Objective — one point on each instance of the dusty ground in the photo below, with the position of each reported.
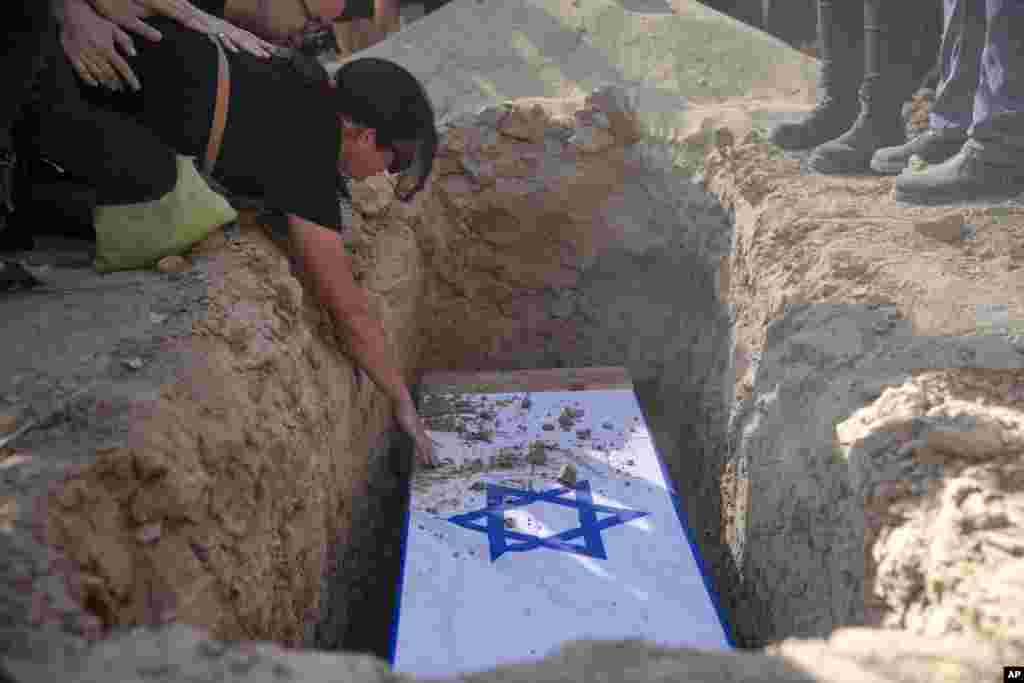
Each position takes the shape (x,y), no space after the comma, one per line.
(944,490)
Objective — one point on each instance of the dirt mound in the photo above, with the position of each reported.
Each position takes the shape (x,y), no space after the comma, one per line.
(944,498)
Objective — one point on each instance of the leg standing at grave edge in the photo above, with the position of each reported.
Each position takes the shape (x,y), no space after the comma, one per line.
(976,138)
(25,25)
(845,53)
(890,75)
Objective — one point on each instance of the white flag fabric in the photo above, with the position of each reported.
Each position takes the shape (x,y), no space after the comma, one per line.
(503,562)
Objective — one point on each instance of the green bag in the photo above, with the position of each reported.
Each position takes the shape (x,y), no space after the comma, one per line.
(132,236)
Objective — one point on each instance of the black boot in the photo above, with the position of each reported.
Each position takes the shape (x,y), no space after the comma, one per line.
(989,166)
(840,29)
(888,78)
(933,146)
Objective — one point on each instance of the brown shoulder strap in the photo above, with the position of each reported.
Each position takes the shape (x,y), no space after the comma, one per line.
(220,110)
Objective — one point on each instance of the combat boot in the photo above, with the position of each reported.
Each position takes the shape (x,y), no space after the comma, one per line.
(933,146)
(989,166)
(841,51)
(887,79)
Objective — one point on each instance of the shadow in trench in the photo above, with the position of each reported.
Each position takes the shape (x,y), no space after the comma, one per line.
(360,596)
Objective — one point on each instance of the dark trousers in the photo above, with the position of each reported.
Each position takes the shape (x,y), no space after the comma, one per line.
(26,24)
(122,161)
(982,64)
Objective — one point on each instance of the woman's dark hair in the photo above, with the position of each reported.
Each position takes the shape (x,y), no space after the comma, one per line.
(380,94)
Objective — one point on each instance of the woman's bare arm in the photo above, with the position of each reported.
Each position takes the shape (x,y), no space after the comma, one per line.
(324,259)
(322,256)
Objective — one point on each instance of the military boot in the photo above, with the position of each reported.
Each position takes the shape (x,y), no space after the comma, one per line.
(888,78)
(933,146)
(989,166)
(840,29)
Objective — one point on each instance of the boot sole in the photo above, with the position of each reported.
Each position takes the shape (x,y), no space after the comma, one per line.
(891,168)
(887,169)
(818,165)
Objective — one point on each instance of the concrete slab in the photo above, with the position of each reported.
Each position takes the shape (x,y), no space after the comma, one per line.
(500,535)
(471,53)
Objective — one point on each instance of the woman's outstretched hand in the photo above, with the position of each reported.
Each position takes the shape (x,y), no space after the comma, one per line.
(91,44)
(235,38)
(129,14)
(409,418)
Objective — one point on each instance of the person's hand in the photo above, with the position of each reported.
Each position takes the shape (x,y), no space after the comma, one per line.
(235,38)
(128,14)
(91,44)
(413,426)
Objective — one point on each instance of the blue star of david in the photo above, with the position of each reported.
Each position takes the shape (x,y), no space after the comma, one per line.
(501,498)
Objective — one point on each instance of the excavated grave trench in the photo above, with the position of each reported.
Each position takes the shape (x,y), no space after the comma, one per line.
(649,301)
(544,243)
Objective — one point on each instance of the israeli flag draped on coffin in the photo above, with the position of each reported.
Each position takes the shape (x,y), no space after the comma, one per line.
(550,520)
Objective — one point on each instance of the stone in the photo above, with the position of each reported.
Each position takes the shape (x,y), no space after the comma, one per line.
(172,265)
(567,475)
(150,533)
(492,116)
(947,228)
(150,464)
(481,171)
(527,125)
(591,140)
(8,423)
(133,363)
(611,98)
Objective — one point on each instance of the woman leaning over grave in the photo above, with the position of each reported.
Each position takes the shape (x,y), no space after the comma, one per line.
(279,129)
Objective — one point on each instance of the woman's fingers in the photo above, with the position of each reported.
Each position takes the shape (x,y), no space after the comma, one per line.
(137,25)
(83,72)
(261,49)
(100,67)
(124,41)
(96,69)
(124,71)
(225,39)
(252,44)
